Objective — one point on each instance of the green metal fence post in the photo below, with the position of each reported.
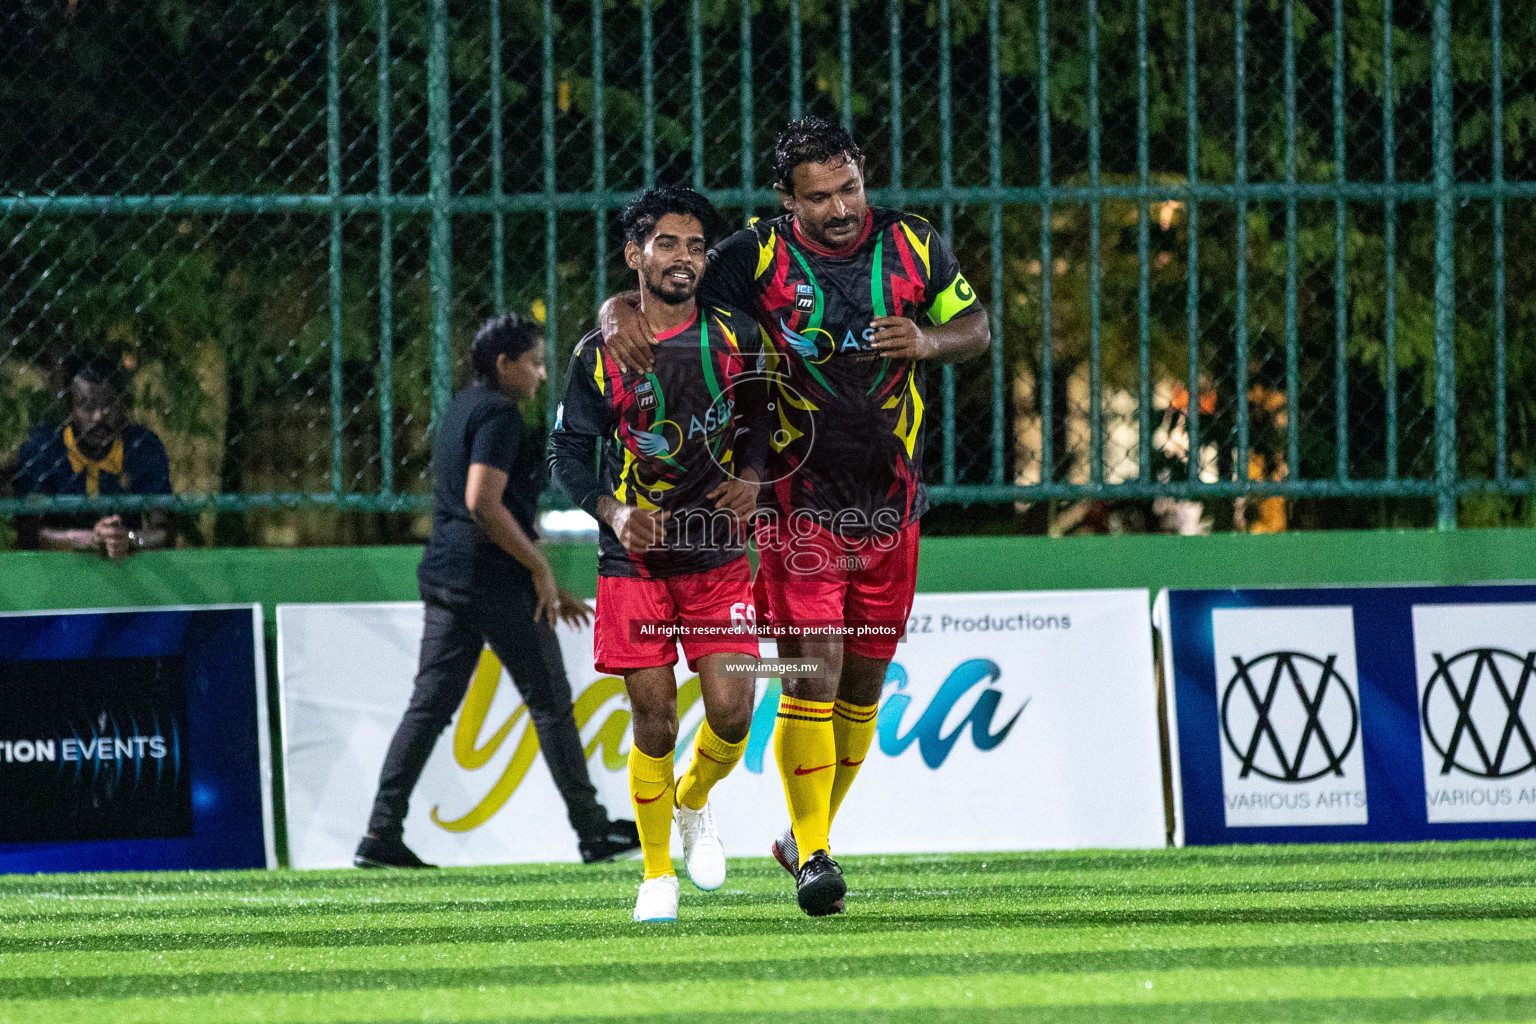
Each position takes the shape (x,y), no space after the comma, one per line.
(696,89)
(1095,270)
(796,71)
(1192,231)
(893,18)
(747,155)
(440,249)
(1143,240)
(551,214)
(498,172)
(995,179)
(1445,267)
(1389,239)
(333,184)
(1340,300)
(845,54)
(1047,267)
(947,221)
(1240,167)
(1292,341)
(1500,354)
(648,92)
(386,263)
(599,164)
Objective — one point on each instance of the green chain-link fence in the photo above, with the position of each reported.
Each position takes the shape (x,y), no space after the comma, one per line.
(1250,248)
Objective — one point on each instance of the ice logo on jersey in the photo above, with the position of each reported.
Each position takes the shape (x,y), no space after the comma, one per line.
(645,395)
(805,298)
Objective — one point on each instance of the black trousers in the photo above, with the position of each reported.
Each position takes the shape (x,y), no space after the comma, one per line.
(457,629)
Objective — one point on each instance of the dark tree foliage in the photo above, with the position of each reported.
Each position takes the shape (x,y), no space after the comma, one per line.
(224,310)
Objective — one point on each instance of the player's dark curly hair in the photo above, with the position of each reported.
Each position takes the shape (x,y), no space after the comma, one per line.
(810,140)
(507,335)
(640,216)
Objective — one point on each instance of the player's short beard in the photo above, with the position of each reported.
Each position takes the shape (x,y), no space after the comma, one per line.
(670,296)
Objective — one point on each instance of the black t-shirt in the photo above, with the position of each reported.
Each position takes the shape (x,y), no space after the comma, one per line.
(480,426)
(848,432)
(672,436)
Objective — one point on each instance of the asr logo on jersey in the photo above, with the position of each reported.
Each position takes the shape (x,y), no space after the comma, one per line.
(717,418)
(816,344)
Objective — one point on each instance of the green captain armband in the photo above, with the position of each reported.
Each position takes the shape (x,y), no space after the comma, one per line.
(952,301)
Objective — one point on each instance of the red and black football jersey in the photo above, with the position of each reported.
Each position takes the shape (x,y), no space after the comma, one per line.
(669,437)
(847,429)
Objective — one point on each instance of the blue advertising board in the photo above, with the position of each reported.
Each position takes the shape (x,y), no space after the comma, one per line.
(1352,714)
(134,740)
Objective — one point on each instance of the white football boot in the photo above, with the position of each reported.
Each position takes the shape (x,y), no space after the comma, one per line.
(657,900)
(702,851)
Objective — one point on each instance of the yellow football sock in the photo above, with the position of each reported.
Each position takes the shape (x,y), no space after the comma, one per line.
(650,790)
(853,727)
(807,756)
(713,759)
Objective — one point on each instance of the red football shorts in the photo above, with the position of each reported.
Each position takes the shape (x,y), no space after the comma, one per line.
(810,577)
(638,618)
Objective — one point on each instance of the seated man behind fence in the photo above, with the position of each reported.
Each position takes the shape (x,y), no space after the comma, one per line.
(97,452)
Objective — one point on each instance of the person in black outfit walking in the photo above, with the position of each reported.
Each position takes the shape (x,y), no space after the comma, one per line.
(485,580)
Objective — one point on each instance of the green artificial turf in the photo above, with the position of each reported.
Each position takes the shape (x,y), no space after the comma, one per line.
(1253,934)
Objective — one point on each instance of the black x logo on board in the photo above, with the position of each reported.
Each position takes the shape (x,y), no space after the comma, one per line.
(1489,665)
(1312,680)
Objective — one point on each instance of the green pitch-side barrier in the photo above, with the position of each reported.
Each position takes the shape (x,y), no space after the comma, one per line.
(33,581)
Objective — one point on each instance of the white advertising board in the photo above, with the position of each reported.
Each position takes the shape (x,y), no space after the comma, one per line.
(1008,721)
(1475,664)
(1289,716)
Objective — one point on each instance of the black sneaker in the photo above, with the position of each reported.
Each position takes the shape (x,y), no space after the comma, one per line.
(386,853)
(620,837)
(819,887)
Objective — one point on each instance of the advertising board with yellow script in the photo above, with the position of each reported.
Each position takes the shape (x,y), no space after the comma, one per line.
(1008,721)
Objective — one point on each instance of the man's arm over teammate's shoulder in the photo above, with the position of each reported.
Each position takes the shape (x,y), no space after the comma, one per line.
(625,335)
(744,335)
(749,389)
(732,268)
